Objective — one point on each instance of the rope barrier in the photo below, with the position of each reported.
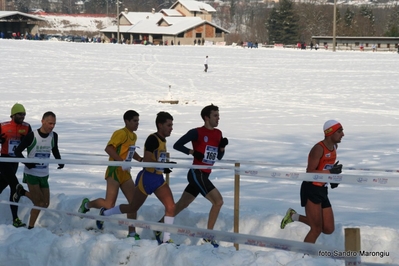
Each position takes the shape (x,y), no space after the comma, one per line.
(387,181)
(224,161)
(259,241)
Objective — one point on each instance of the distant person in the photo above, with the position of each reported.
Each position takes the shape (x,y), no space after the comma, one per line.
(40,144)
(206,64)
(311,46)
(11,134)
(150,179)
(208,144)
(373,47)
(316,46)
(195,41)
(1,35)
(314,195)
(121,147)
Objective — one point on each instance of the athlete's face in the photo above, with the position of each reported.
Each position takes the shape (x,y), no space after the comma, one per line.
(166,128)
(132,124)
(19,118)
(214,119)
(48,124)
(337,136)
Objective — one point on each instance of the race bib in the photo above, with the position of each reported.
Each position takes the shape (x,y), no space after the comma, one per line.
(42,156)
(210,155)
(161,159)
(130,153)
(12,145)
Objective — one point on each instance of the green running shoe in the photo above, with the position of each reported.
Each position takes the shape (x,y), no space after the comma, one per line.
(82,208)
(136,236)
(287,218)
(18,223)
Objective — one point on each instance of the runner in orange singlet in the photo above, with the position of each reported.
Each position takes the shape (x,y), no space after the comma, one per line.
(314,195)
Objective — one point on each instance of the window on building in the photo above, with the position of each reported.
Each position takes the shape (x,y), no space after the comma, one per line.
(198,35)
(378,45)
(387,45)
(180,35)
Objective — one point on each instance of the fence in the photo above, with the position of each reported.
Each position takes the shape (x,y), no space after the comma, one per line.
(235,237)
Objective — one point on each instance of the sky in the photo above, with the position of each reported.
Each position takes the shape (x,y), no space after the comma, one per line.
(273,104)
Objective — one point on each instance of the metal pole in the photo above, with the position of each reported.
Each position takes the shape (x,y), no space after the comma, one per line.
(334,24)
(117,12)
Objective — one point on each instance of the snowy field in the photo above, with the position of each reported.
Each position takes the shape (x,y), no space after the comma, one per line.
(273,104)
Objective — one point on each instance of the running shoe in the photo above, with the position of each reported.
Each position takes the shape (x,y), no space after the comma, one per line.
(158,235)
(82,208)
(287,218)
(136,236)
(212,242)
(18,223)
(170,241)
(100,224)
(18,194)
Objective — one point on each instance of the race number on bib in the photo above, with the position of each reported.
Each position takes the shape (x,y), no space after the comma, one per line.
(210,155)
(12,145)
(130,153)
(42,156)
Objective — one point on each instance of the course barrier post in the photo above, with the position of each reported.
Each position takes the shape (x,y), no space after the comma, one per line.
(352,244)
(236,203)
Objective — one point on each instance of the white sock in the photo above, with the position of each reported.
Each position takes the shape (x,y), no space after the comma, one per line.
(295,217)
(167,220)
(132,234)
(112,211)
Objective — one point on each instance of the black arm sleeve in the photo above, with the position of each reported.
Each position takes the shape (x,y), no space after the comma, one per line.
(24,144)
(191,135)
(55,150)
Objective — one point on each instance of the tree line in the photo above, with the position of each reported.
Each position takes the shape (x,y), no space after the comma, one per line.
(284,22)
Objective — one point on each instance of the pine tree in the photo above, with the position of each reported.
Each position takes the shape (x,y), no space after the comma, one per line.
(283,24)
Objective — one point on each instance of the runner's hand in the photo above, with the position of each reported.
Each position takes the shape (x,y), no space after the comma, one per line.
(223,143)
(198,155)
(336,169)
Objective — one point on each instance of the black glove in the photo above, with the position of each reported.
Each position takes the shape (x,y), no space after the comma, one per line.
(223,143)
(336,169)
(60,166)
(30,165)
(2,138)
(198,155)
(167,171)
(334,185)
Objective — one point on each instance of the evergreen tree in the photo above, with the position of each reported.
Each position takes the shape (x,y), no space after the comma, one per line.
(283,24)
(274,27)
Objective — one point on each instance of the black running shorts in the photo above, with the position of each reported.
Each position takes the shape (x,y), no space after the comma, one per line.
(316,194)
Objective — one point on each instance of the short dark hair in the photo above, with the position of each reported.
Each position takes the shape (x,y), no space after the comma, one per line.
(162,117)
(206,111)
(47,114)
(129,115)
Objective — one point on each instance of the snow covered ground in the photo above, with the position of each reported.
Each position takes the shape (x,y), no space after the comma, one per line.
(273,104)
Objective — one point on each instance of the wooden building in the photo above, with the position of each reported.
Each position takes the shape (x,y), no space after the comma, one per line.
(185,22)
(14,22)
